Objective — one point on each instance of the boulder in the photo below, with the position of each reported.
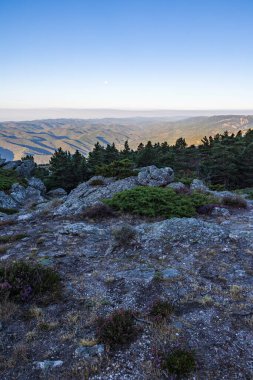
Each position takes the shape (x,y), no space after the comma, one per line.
(36,183)
(220,211)
(88,351)
(57,193)
(26,168)
(86,195)
(153,176)
(23,195)
(6,201)
(178,187)
(198,185)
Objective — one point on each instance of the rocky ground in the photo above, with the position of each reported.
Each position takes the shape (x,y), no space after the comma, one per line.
(202,265)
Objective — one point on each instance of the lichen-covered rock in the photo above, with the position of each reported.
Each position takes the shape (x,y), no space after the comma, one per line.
(57,193)
(23,195)
(11,165)
(153,176)
(36,183)
(198,185)
(6,201)
(181,229)
(220,211)
(86,195)
(89,351)
(26,168)
(178,186)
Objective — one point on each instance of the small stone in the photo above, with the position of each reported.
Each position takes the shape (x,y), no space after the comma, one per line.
(47,364)
(87,351)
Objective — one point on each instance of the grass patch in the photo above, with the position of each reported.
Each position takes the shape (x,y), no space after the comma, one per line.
(8,178)
(156,201)
(180,363)
(98,211)
(20,281)
(11,238)
(117,329)
(161,309)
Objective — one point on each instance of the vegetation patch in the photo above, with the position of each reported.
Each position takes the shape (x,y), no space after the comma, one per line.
(155,201)
(235,201)
(97,182)
(124,235)
(98,211)
(161,309)
(180,363)
(117,329)
(8,211)
(8,178)
(11,238)
(20,281)
(119,169)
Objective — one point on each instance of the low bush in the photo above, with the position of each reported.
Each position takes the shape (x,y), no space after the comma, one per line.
(161,309)
(20,281)
(156,201)
(8,211)
(119,169)
(124,235)
(234,201)
(180,363)
(11,238)
(8,178)
(117,329)
(98,211)
(97,182)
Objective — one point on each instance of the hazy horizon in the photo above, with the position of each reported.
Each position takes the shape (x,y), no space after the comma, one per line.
(29,114)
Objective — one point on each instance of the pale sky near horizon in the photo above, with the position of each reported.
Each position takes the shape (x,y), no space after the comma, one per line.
(159,54)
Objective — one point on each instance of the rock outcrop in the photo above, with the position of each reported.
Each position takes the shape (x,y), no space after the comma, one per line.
(153,176)
(24,168)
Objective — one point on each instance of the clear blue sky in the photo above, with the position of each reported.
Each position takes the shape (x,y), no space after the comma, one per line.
(170,54)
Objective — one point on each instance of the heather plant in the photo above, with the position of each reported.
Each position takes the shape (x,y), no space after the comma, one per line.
(124,235)
(235,201)
(98,211)
(161,309)
(117,329)
(20,281)
(180,363)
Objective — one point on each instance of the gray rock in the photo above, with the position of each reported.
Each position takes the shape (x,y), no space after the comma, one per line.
(220,211)
(89,351)
(170,273)
(23,195)
(86,195)
(36,183)
(26,168)
(57,193)
(198,185)
(152,176)
(190,230)
(47,364)
(6,201)
(105,180)
(11,165)
(178,186)
(143,275)
(80,229)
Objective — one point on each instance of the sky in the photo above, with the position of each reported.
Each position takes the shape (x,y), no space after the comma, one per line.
(126,54)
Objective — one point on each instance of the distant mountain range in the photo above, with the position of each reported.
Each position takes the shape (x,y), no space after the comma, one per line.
(41,137)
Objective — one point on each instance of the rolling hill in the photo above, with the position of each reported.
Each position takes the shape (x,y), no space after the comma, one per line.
(41,137)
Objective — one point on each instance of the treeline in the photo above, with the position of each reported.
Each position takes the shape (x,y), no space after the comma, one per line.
(224,161)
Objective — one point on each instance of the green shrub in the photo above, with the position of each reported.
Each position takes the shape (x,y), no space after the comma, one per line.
(155,201)
(21,281)
(117,329)
(161,309)
(119,169)
(180,363)
(234,201)
(8,211)
(8,178)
